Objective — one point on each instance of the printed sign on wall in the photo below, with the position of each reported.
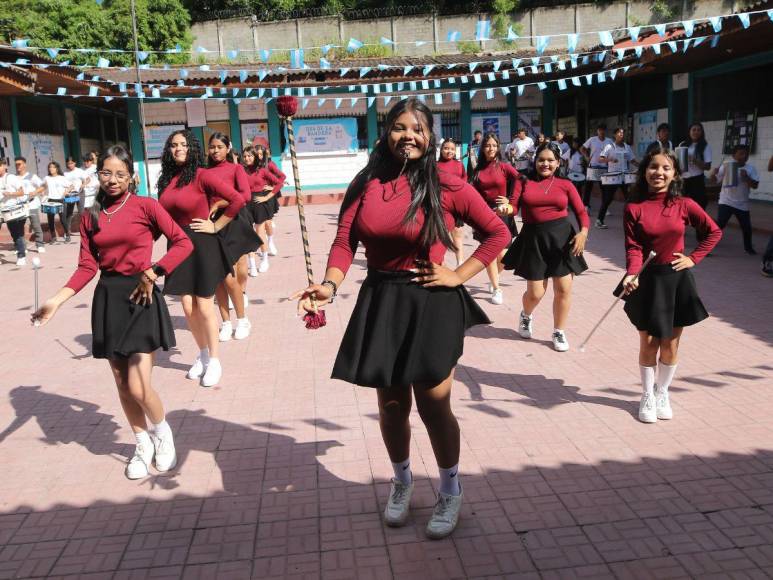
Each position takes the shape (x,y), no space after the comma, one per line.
(155,138)
(40,149)
(255,133)
(326,135)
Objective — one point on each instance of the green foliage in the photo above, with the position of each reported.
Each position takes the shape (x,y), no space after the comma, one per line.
(468,47)
(662,10)
(161,25)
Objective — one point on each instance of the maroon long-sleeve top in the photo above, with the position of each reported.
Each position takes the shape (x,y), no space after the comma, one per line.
(548,199)
(376,217)
(491,181)
(192,201)
(453,167)
(659,226)
(274,169)
(125,243)
(234,175)
(259,178)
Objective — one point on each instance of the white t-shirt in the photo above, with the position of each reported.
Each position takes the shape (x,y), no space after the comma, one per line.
(692,169)
(520,148)
(575,163)
(566,151)
(75,177)
(738,196)
(10,183)
(56,186)
(596,146)
(618,157)
(31,182)
(90,180)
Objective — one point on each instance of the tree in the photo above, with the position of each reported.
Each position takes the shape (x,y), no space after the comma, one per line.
(70,24)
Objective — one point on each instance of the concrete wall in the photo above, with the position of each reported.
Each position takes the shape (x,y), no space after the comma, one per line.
(237,33)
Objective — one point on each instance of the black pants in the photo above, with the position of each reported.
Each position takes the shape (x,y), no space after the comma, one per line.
(695,189)
(608,196)
(768,256)
(16,227)
(65,218)
(725,212)
(587,192)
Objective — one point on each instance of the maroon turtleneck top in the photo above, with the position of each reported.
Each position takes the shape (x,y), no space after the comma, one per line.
(124,244)
(548,199)
(659,226)
(453,167)
(375,219)
(193,200)
(234,175)
(272,167)
(258,179)
(491,181)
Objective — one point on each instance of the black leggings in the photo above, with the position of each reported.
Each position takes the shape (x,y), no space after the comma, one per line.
(608,196)
(695,189)
(587,192)
(65,219)
(725,212)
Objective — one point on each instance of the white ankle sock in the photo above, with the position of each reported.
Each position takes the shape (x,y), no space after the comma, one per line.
(449,480)
(143,438)
(251,260)
(162,429)
(647,379)
(403,471)
(270,238)
(665,376)
(204,355)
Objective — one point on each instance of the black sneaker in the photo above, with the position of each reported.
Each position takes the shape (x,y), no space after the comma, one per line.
(750,251)
(67,239)
(767,269)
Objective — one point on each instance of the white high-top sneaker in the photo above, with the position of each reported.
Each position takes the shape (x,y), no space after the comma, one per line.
(398,504)
(445,516)
(138,465)
(226,331)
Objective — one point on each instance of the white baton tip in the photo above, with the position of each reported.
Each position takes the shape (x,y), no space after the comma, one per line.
(36,262)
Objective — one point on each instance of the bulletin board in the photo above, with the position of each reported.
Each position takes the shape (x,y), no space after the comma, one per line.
(740,128)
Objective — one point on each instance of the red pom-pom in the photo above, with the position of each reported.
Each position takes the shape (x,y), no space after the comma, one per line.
(315,320)
(287,106)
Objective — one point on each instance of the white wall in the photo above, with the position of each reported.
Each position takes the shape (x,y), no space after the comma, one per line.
(715,131)
(40,149)
(321,170)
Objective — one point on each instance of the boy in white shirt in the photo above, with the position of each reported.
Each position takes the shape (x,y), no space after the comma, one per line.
(33,187)
(11,192)
(734,200)
(592,149)
(618,156)
(521,147)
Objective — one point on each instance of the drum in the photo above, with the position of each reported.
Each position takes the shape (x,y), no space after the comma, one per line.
(629,177)
(594,173)
(14,211)
(612,178)
(682,158)
(522,164)
(71,198)
(576,176)
(52,207)
(730,173)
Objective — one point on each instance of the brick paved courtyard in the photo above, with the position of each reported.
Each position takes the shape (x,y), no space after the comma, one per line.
(282,472)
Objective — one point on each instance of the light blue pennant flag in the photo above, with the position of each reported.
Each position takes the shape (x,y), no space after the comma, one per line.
(490,94)
(438,98)
(453,35)
(505,90)
(620,53)
(612,74)
(425,84)
(223,75)
(516,63)
(589,79)
(464,79)
(535,60)
(633,31)
(534,70)
(520,90)
(122,87)
(265,55)
(492,77)
(180,83)
(476,78)
(497,64)
(561,85)
(353,45)
(248,91)
(234,92)
(455,97)
(421,42)
(548,67)
(605,36)
(672,45)
(342,72)
(183,73)
(661,30)
(242,75)
(428,69)
(296,58)
(542,85)
(80,76)
(262,74)
(482,29)
(714,41)
(686,46)
(20,43)
(436,83)
(232,54)
(473,93)
(52,52)
(103,63)
(473,65)
(698,41)
(573,60)
(656,48)
(407,70)
(338,103)
(364,71)
(511,35)
(376,89)
(601,77)
(275,93)
(601,56)
(387,99)
(386,41)
(576,81)
(505,74)
(326,48)
(744,18)
(61,91)
(324,63)
(689,27)
(201,49)
(716,23)
(638,50)
(571,42)
(155,93)
(353,102)
(521,72)
(304,103)
(542,43)
(770,14)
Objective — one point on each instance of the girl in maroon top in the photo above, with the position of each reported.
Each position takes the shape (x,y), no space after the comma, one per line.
(265,186)
(188,193)
(448,163)
(548,246)
(129,318)
(239,238)
(263,160)
(495,180)
(664,299)
(407,328)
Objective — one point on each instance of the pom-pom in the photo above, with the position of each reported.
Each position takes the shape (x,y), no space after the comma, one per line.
(315,320)
(287,106)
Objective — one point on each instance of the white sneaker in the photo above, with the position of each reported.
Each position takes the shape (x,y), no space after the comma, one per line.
(213,374)
(243,327)
(490,288)
(166,456)
(398,504)
(525,325)
(601,225)
(272,248)
(41,249)
(445,516)
(559,341)
(497,297)
(21,261)
(226,330)
(138,465)
(647,412)
(264,265)
(197,369)
(246,300)
(253,273)
(663,406)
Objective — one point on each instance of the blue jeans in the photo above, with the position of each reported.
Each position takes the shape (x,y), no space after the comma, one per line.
(16,227)
(725,212)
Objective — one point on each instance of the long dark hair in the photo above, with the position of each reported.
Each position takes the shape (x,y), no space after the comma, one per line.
(641,189)
(251,150)
(532,174)
(260,163)
(226,140)
(443,144)
(700,144)
(55,164)
(482,160)
(422,176)
(120,153)
(169,168)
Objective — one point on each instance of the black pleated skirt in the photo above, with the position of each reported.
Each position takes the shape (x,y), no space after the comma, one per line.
(203,270)
(120,328)
(260,211)
(239,237)
(665,300)
(273,205)
(543,251)
(401,333)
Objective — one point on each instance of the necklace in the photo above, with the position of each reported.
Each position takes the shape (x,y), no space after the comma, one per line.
(110,214)
(552,179)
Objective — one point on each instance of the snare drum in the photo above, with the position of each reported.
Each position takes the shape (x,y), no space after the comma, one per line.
(52,207)
(576,176)
(612,178)
(522,164)
(15,211)
(594,173)
(630,177)
(72,198)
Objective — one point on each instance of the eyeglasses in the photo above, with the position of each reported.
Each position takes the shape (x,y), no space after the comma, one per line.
(120,175)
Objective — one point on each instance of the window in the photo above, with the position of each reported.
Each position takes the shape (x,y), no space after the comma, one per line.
(34,118)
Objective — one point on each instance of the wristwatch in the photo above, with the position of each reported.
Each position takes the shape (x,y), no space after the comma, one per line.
(333,286)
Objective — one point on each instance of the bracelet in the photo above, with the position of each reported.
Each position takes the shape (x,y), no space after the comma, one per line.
(333,286)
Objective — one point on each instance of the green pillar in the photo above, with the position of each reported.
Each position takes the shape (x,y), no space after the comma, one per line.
(65,132)
(135,144)
(15,139)
(670,101)
(274,132)
(465,120)
(372,122)
(512,109)
(548,111)
(236,128)
(198,132)
(690,99)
